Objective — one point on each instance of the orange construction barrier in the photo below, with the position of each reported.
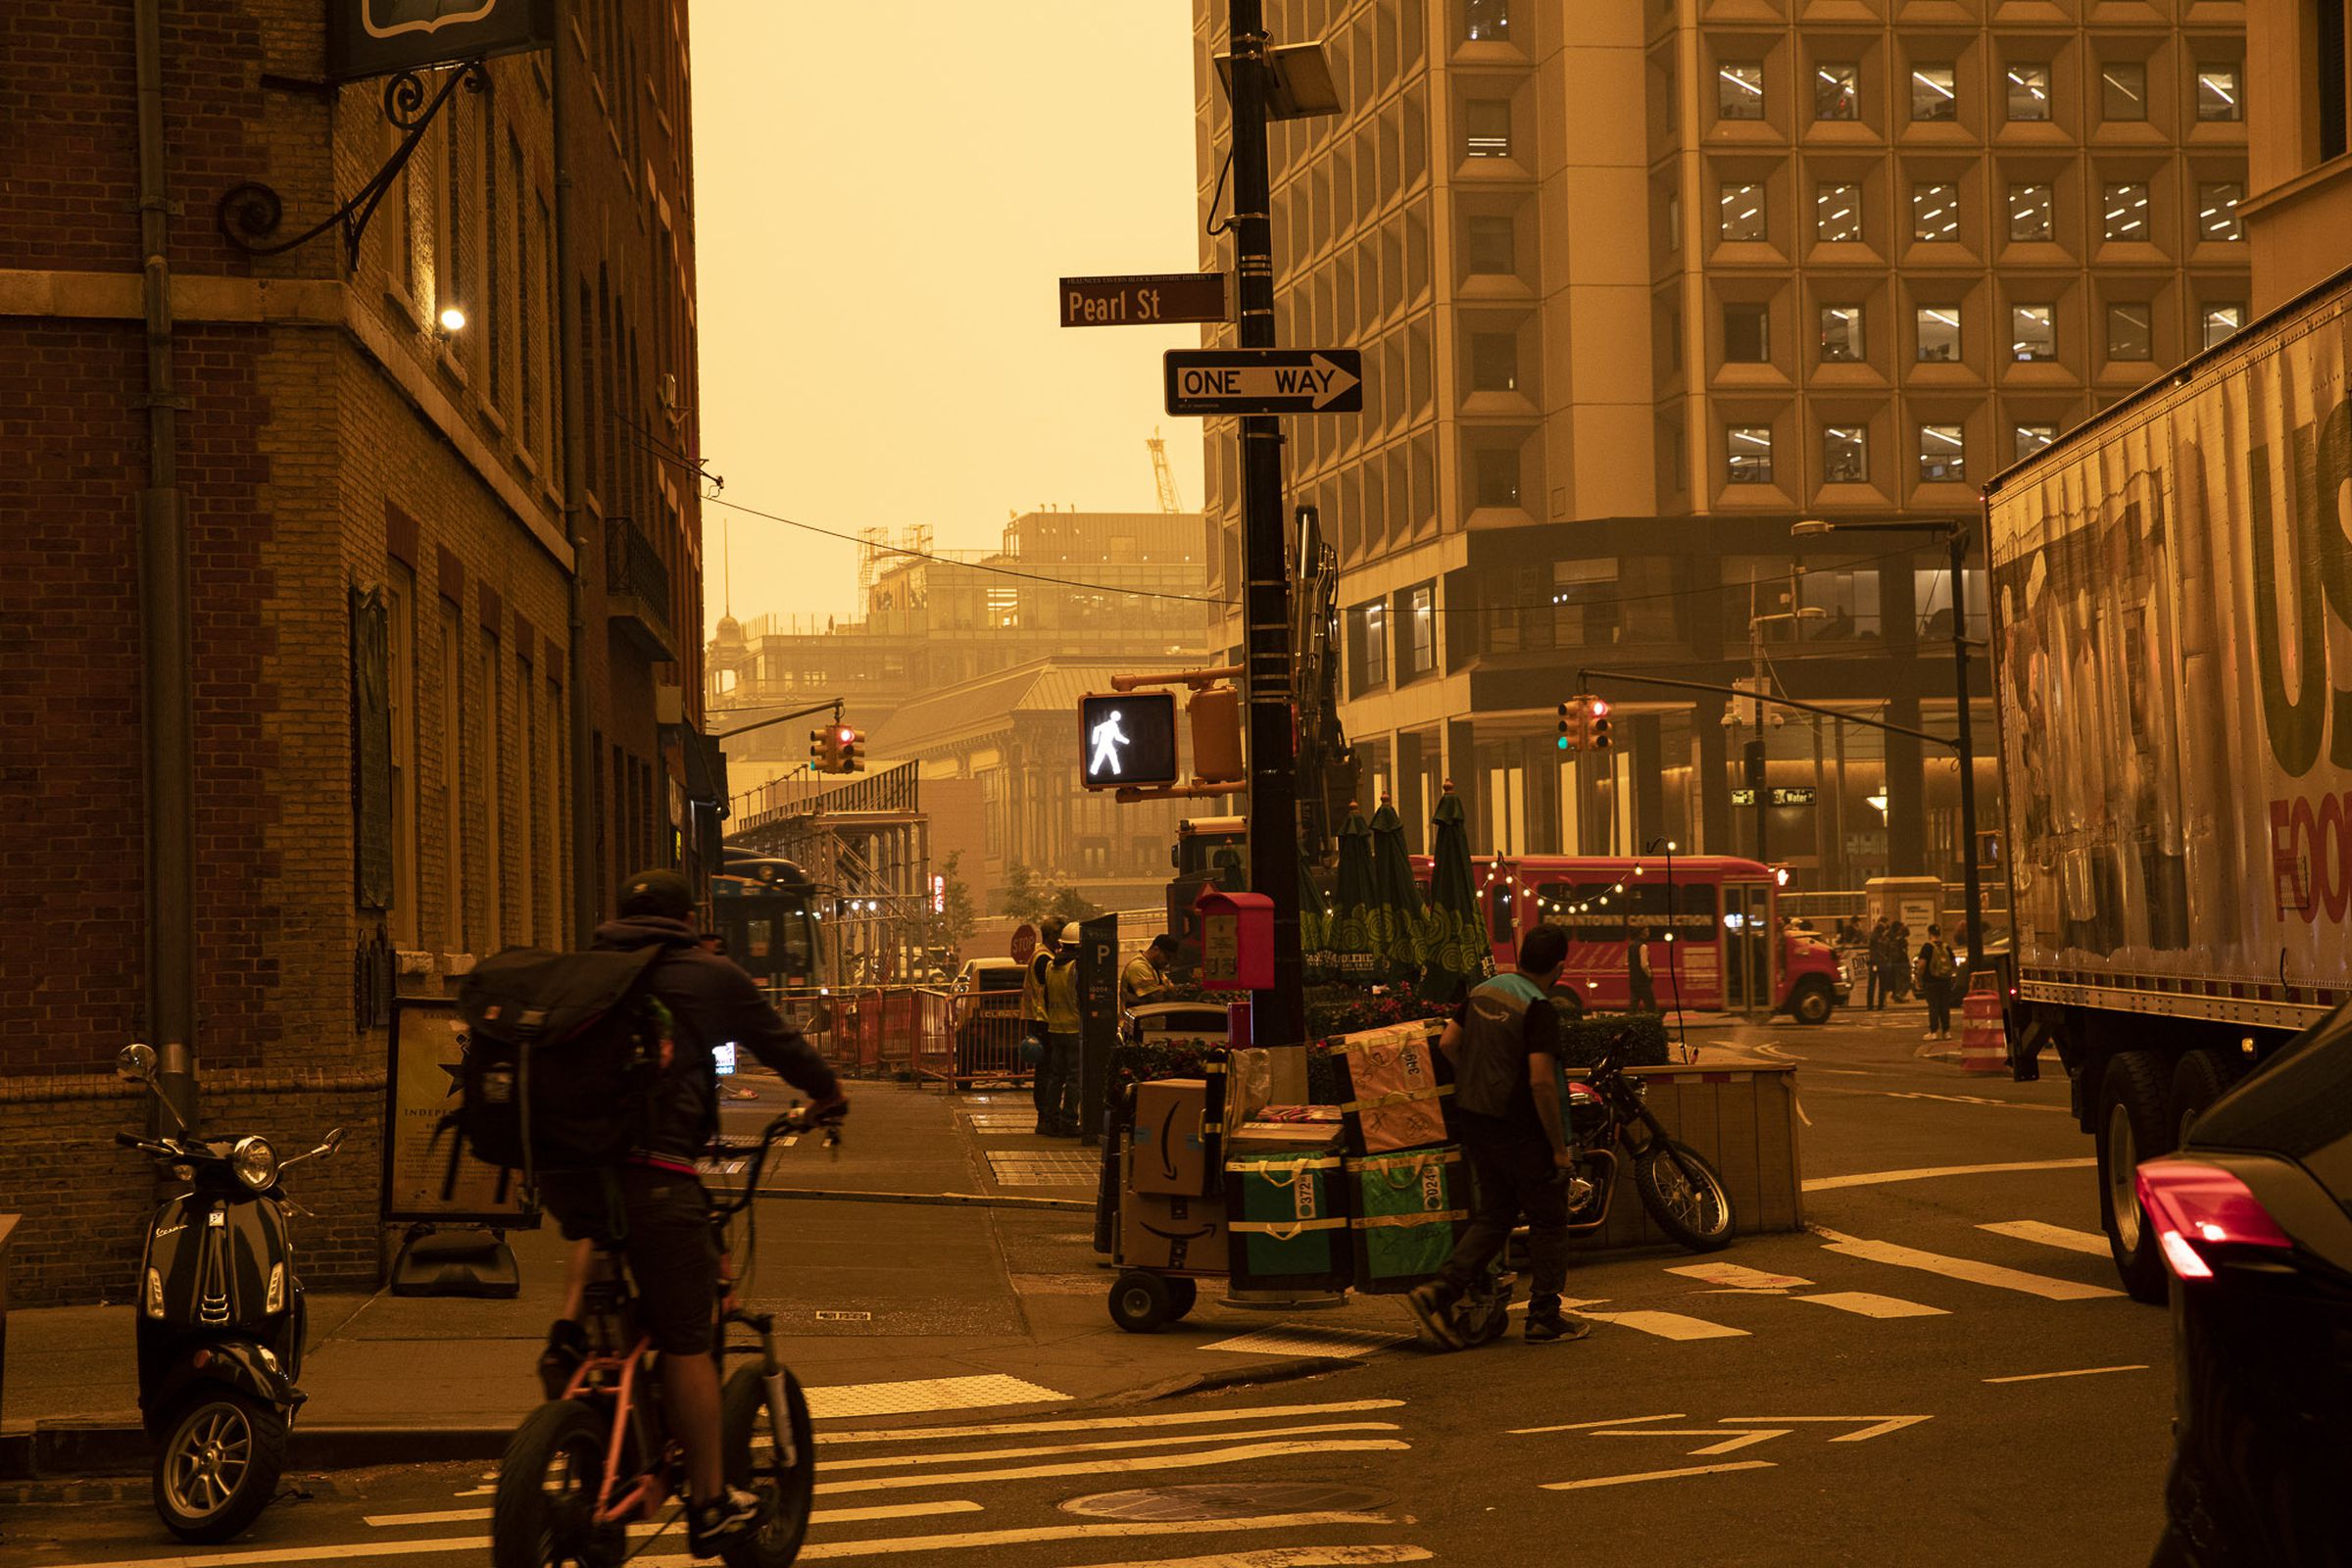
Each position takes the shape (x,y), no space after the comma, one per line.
(1984,1039)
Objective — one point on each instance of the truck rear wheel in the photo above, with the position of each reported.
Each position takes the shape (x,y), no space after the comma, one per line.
(2201,1078)
(2132,1127)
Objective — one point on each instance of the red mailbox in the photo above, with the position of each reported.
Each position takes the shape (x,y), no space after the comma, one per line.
(1237,941)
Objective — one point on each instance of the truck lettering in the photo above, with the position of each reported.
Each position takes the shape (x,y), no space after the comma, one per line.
(2311,857)
(2319,569)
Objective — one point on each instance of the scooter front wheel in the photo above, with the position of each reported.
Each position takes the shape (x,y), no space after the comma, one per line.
(218,1465)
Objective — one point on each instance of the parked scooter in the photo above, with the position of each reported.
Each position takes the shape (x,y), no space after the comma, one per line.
(221,1321)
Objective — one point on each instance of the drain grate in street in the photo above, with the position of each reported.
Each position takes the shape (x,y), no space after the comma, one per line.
(1047,1168)
(1310,1338)
(1225,1500)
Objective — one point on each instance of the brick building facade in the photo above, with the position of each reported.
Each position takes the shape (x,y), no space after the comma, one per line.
(343,460)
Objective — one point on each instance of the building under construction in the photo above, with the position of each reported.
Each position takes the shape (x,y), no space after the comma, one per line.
(865,846)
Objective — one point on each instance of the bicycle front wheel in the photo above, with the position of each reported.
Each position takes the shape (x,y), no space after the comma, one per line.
(786,1485)
(544,1512)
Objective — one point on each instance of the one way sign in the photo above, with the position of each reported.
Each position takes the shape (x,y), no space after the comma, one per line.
(1214,381)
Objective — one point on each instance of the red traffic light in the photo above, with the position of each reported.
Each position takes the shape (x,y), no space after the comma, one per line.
(1599,706)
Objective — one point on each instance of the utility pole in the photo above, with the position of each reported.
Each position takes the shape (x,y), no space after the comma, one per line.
(568,326)
(1279,1016)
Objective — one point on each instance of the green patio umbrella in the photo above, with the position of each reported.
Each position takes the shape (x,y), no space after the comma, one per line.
(1350,937)
(1453,936)
(1393,918)
(1314,923)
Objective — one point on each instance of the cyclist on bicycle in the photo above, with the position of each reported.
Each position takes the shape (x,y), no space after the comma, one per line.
(655,1202)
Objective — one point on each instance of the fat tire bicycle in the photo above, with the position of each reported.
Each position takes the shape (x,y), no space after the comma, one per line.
(582,1468)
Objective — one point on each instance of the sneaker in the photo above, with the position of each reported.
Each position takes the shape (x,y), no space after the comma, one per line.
(567,1348)
(1930,1035)
(1543,1328)
(1433,1309)
(712,1528)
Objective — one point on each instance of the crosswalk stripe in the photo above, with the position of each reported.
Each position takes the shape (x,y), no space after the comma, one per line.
(1105,1423)
(965,1455)
(2089,1242)
(1862,1304)
(1964,1268)
(819,1516)
(1286,1558)
(1159,1461)
(1670,1325)
(1733,1274)
(1660,1475)
(985,1539)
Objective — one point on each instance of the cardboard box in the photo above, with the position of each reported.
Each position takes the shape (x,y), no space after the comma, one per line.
(1157,1231)
(1288,1128)
(1171,1145)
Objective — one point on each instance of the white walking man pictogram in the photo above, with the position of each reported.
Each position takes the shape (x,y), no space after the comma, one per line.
(1108,737)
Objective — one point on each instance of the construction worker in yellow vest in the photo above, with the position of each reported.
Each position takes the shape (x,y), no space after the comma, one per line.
(1057,1091)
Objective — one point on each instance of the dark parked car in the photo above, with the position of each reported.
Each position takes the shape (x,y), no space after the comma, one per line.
(987,1019)
(2254,1216)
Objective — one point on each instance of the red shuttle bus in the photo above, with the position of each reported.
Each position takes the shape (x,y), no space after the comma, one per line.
(1712,923)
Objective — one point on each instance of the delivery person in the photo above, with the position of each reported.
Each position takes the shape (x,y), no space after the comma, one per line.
(1505,1047)
(1147,973)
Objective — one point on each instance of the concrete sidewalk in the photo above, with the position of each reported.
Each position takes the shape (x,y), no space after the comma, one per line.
(886,1307)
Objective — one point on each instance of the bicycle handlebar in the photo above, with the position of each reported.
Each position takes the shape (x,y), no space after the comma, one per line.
(796,1120)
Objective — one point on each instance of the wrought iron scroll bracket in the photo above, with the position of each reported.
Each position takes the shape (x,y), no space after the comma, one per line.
(250,214)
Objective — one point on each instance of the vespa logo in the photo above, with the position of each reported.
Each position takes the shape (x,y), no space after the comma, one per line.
(2319,568)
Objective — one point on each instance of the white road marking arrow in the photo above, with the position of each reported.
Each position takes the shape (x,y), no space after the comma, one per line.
(1738,1439)
(1873,1426)
(1586,1426)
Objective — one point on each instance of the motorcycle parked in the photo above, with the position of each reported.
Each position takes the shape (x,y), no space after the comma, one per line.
(221,1321)
(1606,1115)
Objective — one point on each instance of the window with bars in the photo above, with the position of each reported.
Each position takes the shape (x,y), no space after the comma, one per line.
(2029,92)
(2031,211)
(1836,92)
(1837,213)
(1739,89)
(1741,211)
(1938,328)
(1935,212)
(1845,454)
(2125,207)
(1747,454)
(1934,93)
(2033,332)
(1942,453)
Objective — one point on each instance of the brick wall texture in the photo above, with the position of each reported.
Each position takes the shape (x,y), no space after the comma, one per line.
(330,438)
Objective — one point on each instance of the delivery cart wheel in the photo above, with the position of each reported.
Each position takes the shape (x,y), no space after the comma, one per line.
(1183,1293)
(1141,1303)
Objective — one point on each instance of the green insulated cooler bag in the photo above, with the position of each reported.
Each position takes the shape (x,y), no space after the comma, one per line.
(1408,1209)
(1286,1221)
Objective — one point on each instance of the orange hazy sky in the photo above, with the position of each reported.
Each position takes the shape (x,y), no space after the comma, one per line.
(885,197)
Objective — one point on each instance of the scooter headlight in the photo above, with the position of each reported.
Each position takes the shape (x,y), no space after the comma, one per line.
(255,1162)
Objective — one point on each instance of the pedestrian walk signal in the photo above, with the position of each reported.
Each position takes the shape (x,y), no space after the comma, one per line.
(1127,740)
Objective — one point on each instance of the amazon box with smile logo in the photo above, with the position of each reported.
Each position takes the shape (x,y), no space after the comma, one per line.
(1173,1148)
(1160,1231)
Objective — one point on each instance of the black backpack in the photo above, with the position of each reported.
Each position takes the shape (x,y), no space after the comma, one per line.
(562,1058)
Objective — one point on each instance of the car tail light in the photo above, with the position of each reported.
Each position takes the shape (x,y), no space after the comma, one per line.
(2195,1206)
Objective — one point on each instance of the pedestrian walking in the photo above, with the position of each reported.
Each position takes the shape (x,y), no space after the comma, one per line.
(1899,953)
(1060,1070)
(1504,1048)
(1642,991)
(1936,972)
(1874,958)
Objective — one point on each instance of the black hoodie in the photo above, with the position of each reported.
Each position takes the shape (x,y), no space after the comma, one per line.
(712,1002)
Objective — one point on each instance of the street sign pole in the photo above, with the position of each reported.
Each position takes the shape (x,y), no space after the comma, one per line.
(1278,1016)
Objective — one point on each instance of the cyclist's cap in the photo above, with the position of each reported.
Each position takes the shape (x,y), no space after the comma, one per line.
(658,893)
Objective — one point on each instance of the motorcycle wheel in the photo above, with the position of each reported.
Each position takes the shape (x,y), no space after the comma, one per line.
(1684,1195)
(542,1515)
(217,1465)
(786,1492)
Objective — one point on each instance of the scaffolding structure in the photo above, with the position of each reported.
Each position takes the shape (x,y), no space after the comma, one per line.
(866,847)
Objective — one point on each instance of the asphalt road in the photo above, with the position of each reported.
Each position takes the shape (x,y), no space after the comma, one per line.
(1939,1372)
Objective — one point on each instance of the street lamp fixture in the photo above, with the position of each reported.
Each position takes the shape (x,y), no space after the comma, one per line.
(453,320)
(1299,81)
(1955,532)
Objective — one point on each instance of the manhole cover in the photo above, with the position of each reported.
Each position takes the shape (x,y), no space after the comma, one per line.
(1216,1500)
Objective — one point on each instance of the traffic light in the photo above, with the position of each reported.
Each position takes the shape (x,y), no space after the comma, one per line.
(1596,725)
(1573,722)
(849,743)
(824,751)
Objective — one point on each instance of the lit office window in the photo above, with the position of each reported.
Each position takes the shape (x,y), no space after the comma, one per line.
(2029,92)
(1845,454)
(2030,211)
(1747,454)
(1939,333)
(1841,333)
(1935,212)
(2131,334)
(1934,95)
(1485,21)
(1739,89)
(1490,244)
(2219,94)
(1493,362)
(1747,334)
(2123,90)
(1943,452)
(2033,331)
(2217,209)
(1836,92)
(2221,323)
(1838,212)
(2127,207)
(1741,211)
(1487,127)
(2028,439)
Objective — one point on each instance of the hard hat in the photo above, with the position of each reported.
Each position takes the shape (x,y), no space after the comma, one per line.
(1070,932)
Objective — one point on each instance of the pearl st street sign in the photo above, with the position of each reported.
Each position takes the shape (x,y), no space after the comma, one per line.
(1151,300)
(1223,381)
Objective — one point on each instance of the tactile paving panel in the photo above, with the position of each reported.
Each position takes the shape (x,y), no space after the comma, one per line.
(1044,1168)
(850,1400)
(1309,1339)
